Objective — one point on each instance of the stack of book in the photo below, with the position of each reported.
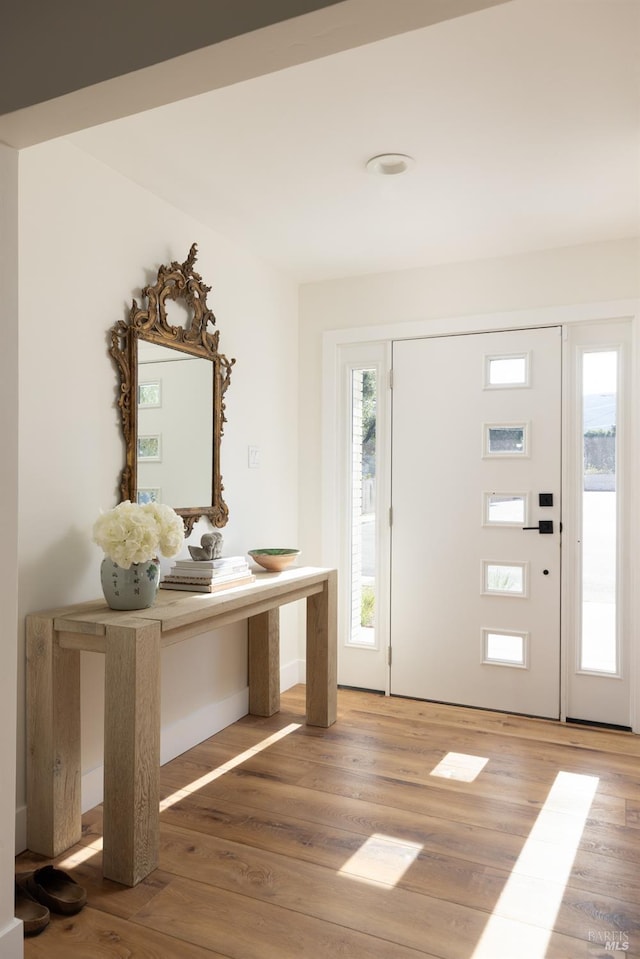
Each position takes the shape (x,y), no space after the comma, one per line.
(208,575)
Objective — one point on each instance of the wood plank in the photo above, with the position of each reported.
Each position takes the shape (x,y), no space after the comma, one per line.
(132,751)
(177,609)
(176,631)
(195,913)
(84,642)
(632,814)
(187,768)
(322,654)
(53,740)
(92,933)
(269,589)
(264,663)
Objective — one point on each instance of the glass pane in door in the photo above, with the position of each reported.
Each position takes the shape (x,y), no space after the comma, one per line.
(507,509)
(363,507)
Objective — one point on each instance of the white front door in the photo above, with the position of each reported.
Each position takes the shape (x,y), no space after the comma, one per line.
(475,591)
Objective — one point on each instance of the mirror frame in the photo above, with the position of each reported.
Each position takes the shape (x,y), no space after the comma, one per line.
(178,281)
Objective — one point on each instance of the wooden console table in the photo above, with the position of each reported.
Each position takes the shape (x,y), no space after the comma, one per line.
(132,644)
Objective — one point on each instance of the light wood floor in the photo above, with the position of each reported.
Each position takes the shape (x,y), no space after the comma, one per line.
(344,843)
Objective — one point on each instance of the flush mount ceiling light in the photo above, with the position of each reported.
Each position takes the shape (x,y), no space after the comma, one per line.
(390,164)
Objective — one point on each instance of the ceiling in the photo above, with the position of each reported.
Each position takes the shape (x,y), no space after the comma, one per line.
(523,120)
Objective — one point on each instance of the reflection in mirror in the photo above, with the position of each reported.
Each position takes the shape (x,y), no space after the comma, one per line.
(171,399)
(175,425)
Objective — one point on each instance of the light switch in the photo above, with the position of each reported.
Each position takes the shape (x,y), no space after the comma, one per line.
(254,457)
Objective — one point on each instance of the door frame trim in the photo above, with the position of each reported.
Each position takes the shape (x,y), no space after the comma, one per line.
(370,659)
(598,312)
(583,342)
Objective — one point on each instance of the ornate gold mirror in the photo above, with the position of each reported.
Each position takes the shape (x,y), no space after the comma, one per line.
(171,398)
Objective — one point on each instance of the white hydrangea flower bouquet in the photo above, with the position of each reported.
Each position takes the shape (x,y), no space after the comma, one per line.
(133,533)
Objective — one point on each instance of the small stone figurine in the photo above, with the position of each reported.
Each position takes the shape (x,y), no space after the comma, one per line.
(210,547)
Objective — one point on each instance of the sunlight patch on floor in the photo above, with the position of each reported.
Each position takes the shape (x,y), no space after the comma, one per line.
(381,859)
(526,911)
(78,856)
(226,767)
(460,766)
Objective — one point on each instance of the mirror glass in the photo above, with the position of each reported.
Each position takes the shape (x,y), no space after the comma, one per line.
(171,398)
(175,426)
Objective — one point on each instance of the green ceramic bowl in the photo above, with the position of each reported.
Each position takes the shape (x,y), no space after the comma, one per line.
(275,560)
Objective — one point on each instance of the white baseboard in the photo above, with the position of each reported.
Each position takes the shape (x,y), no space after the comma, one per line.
(12,940)
(176,739)
(193,729)
(292,674)
(91,789)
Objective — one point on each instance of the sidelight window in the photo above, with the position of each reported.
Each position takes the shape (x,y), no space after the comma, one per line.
(363,506)
(599,647)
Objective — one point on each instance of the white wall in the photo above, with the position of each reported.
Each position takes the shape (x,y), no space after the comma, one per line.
(89,241)
(10,929)
(585,274)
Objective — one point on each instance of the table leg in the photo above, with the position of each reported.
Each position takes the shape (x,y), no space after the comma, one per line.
(322,652)
(131,751)
(264,663)
(53,740)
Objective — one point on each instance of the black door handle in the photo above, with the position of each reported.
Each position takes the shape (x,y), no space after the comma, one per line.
(544,526)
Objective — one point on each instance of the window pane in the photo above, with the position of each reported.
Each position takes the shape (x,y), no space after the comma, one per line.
(599,510)
(504,578)
(506,508)
(149,394)
(149,495)
(363,516)
(509,440)
(149,448)
(506,649)
(507,370)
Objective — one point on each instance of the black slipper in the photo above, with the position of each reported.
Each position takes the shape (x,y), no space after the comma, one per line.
(56,890)
(34,915)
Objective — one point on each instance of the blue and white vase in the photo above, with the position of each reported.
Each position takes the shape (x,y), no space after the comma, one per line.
(133,588)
